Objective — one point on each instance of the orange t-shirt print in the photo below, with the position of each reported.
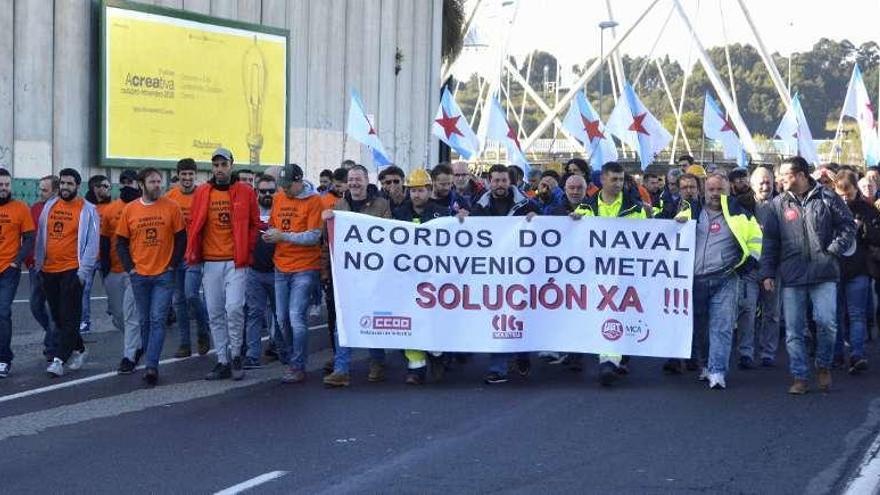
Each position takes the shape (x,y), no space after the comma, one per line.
(150,230)
(184,201)
(62,235)
(109,222)
(217,234)
(296,215)
(15,219)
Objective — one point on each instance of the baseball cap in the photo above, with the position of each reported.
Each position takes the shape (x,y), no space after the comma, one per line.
(290,173)
(223,153)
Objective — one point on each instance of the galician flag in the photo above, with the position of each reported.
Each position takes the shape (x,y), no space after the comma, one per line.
(795,132)
(717,127)
(361,130)
(582,122)
(858,106)
(496,128)
(453,129)
(633,124)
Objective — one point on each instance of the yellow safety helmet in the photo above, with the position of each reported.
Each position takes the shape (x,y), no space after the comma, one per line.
(418,178)
(696,170)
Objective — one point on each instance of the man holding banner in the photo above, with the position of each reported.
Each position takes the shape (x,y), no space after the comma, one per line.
(504,200)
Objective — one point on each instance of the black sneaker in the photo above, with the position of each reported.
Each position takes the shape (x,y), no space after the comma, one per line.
(607,373)
(250,363)
(272,355)
(523,366)
(672,367)
(746,363)
(220,372)
(126,367)
(857,365)
(768,362)
(151,377)
(237,368)
(138,355)
(495,378)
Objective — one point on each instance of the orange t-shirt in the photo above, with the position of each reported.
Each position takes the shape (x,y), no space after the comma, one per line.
(109,221)
(296,215)
(15,219)
(217,240)
(184,201)
(62,235)
(329,200)
(150,230)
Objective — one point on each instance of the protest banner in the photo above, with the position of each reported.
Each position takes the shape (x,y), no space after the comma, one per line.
(594,285)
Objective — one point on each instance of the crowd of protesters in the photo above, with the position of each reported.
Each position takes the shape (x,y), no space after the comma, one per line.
(787,255)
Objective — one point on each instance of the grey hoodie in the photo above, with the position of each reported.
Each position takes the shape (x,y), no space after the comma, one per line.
(309,237)
(87,238)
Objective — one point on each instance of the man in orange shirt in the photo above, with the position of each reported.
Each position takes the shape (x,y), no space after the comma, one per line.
(188,279)
(16,243)
(150,242)
(221,237)
(98,195)
(295,226)
(66,253)
(47,187)
(117,283)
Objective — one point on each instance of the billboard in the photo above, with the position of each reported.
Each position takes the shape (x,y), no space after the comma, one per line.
(176,84)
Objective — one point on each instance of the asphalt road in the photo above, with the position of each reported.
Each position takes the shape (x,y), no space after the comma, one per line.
(554,432)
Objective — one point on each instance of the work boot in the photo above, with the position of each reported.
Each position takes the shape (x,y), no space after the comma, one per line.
(377,372)
(857,365)
(823,377)
(337,379)
(607,374)
(183,352)
(799,387)
(438,366)
(416,376)
(204,344)
(672,367)
(328,367)
(293,375)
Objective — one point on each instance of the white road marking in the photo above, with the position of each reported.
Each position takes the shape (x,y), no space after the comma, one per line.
(95,298)
(867,480)
(101,376)
(247,485)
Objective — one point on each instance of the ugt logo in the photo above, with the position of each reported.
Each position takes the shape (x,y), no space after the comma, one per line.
(507,327)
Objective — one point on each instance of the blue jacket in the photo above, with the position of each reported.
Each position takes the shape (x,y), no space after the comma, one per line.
(805,239)
(88,239)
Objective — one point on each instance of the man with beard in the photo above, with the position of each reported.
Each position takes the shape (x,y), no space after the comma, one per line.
(98,195)
(767,325)
(66,254)
(16,243)
(464,183)
(188,279)
(502,200)
(325,180)
(444,195)
(391,181)
(221,237)
(47,188)
(117,283)
(748,281)
(150,242)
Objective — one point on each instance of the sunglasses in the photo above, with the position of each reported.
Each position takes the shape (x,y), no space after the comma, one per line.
(104,186)
(388,182)
(267,191)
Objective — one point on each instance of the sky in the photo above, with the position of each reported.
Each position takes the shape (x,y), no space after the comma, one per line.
(569,28)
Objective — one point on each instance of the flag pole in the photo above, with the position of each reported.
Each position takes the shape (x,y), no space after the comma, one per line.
(678,124)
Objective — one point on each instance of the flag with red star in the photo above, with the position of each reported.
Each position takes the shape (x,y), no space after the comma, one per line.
(495,127)
(582,121)
(717,127)
(362,130)
(634,124)
(858,106)
(453,129)
(795,132)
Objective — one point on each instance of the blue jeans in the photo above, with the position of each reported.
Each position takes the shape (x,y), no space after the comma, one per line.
(87,301)
(715,307)
(40,312)
(745,321)
(260,294)
(152,296)
(767,326)
(187,281)
(342,358)
(293,293)
(8,285)
(852,306)
(794,303)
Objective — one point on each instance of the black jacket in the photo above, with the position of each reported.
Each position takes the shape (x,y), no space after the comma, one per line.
(863,261)
(804,239)
(406,213)
(520,205)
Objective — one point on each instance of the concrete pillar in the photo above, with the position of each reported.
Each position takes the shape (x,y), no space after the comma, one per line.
(298,51)
(274,13)
(355,72)
(316,114)
(200,6)
(6,84)
(334,91)
(404,102)
(387,82)
(173,4)
(228,9)
(420,74)
(75,123)
(249,11)
(32,99)
(434,82)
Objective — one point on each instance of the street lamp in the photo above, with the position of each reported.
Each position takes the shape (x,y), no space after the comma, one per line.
(602,27)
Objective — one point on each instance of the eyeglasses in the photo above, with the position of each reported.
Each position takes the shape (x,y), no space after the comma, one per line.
(388,182)
(267,191)
(461,175)
(104,186)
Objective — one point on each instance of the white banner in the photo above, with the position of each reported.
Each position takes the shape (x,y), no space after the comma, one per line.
(503,284)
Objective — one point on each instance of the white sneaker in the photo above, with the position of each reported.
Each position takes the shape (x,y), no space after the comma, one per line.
(77,359)
(56,367)
(4,370)
(704,375)
(716,381)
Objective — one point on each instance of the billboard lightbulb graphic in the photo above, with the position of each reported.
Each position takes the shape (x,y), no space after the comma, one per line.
(253,73)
